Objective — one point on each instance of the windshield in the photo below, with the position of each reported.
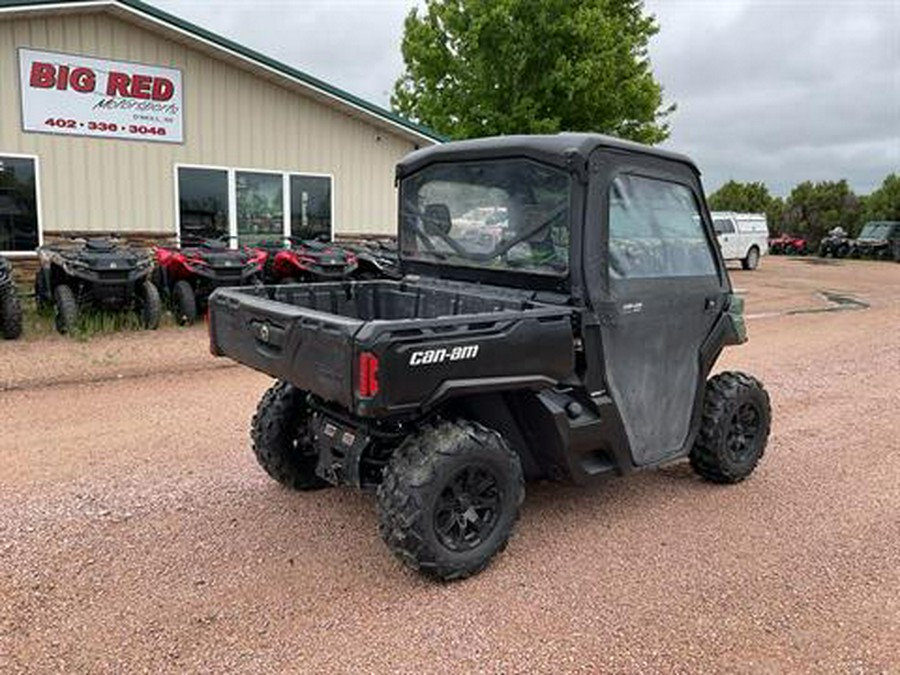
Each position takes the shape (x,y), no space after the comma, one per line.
(874,231)
(498,214)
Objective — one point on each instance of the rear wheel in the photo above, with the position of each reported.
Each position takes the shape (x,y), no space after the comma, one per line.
(734,428)
(184,303)
(10,313)
(66,309)
(282,439)
(450,498)
(752,260)
(149,306)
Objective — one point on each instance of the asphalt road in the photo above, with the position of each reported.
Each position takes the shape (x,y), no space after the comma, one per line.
(138,535)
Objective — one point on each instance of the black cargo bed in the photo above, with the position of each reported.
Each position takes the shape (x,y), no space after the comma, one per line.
(312,334)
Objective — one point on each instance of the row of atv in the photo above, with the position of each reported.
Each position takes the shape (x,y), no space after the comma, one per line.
(107,275)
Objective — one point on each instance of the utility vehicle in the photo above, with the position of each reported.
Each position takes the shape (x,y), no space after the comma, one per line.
(876,240)
(10,308)
(308,260)
(787,244)
(742,236)
(102,273)
(375,259)
(836,244)
(578,344)
(186,275)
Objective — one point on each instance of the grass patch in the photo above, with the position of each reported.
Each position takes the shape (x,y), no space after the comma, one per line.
(40,323)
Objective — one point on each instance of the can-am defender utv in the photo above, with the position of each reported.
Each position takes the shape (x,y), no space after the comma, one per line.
(575,340)
(186,275)
(876,240)
(10,307)
(102,273)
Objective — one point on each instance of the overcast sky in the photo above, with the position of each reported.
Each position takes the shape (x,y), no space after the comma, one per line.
(773,90)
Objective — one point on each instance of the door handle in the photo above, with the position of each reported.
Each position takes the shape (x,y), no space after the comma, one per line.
(710,304)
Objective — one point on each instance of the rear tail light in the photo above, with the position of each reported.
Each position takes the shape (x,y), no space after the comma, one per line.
(368,375)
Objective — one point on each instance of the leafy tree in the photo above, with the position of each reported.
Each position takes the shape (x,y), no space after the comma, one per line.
(741,197)
(884,203)
(485,67)
(813,209)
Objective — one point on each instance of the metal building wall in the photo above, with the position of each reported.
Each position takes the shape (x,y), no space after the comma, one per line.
(233,118)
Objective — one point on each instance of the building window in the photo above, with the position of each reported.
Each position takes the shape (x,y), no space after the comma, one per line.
(202,203)
(310,207)
(250,206)
(260,207)
(19,222)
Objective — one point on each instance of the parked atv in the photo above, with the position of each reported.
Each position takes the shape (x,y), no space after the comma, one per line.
(187,275)
(308,260)
(876,240)
(102,273)
(786,244)
(836,244)
(376,259)
(10,308)
(578,342)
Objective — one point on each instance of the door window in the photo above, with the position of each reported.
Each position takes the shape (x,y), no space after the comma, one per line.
(655,230)
(18,204)
(723,226)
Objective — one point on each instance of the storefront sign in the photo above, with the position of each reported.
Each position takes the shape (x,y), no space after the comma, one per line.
(70,94)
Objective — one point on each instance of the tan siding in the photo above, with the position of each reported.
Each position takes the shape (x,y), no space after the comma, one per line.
(232,118)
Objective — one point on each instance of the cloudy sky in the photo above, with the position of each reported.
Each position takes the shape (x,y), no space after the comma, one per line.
(774,90)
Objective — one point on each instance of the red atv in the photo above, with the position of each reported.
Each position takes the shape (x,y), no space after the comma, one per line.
(187,275)
(308,260)
(788,245)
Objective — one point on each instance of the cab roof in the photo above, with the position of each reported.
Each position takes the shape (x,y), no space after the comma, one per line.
(559,149)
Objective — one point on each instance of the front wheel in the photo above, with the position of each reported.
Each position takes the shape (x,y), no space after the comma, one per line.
(149,306)
(184,303)
(450,498)
(66,309)
(734,428)
(10,313)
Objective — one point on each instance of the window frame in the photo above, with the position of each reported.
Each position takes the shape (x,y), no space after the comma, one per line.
(231,172)
(37,200)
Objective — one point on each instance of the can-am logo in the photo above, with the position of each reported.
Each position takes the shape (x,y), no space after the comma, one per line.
(431,356)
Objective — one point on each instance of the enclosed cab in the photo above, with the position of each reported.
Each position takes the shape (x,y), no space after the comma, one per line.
(742,236)
(560,306)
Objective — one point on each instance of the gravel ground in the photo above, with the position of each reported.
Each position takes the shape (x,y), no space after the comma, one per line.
(138,535)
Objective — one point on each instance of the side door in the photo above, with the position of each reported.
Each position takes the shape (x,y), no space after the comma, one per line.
(664,289)
(727,236)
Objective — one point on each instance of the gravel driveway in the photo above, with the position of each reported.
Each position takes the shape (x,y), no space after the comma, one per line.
(138,535)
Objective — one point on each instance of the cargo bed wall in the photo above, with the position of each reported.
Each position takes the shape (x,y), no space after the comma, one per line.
(388,300)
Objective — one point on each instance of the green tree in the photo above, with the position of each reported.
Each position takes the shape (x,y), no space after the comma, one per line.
(486,67)
(884,203)
(742,197)
(813,209)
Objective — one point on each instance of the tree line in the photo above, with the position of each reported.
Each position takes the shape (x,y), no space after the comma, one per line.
(812,209)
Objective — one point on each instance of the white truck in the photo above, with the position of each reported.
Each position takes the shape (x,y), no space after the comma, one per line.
(742,236)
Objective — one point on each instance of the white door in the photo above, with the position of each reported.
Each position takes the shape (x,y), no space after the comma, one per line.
(729,239)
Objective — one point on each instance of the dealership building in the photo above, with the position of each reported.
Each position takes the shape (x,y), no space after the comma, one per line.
(116,117)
